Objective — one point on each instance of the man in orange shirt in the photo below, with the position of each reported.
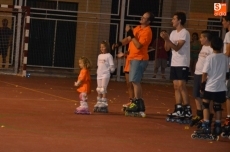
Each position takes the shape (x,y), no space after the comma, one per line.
(139,40)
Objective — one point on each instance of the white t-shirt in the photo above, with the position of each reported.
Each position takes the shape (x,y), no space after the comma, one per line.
(204,52)
(226,41)
(104,61)
(182,56)
(216,66)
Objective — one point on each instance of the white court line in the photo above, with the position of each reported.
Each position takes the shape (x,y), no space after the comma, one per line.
(18,86)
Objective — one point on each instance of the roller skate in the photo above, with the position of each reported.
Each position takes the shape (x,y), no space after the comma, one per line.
(199,124)
(177,115)
(124,106)
(226,128)
(217,130)
(136,109)
(97,105)
(196,119)
(204,132)
(187,115)
(102,107)
(83,108)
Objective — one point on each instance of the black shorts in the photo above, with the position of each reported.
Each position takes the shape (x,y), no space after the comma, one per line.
(218,97)
(228,90)
(179,73)
(196,85)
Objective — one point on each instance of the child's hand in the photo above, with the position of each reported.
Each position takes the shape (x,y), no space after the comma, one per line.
(76,84)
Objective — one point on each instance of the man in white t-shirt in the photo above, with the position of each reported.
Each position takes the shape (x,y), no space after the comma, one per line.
(226,50)
(205,40)
(179,42)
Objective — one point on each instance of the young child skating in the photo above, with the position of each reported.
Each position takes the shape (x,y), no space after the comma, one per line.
(105,67)
(206,50)
(214,88)
(83,85)
(226,51)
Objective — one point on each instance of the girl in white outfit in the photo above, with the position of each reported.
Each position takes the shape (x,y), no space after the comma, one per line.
(105,66)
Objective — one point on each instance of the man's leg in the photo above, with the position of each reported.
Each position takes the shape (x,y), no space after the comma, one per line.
(183,91)
(178,96)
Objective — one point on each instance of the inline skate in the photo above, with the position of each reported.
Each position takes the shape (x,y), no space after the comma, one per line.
(124,106)
(204,132)
(187,115)
(101,106)
(196,119)
(83,108)
(226,128)
(136,109)
(177,115)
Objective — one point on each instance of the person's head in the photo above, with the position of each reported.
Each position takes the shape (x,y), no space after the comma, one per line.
(4,22)
(179,18)
(147,18)
(205,37)
(84,63)
(217,44)
(195,36)
(105,47)
(226,20)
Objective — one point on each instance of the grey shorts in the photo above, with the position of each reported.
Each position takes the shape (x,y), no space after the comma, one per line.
(137,68)
(196,85)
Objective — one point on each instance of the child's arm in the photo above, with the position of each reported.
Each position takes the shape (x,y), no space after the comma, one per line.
(78,83)
(81,78)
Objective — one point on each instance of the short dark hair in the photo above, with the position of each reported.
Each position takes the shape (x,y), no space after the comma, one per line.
(181,16)
(217,43)
(196,34)
(151,17)
(227,17)
(208,34)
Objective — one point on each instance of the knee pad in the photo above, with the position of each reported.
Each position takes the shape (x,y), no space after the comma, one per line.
(206,105)
(103,91)
(83,97)
(98,90)
(217,107)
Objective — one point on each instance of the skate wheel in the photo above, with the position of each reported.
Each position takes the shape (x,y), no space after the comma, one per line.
(193,136)
(229,137)
(167,119)
(222,134)
(172,120)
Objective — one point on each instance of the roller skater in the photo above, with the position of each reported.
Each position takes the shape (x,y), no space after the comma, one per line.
(226,129)
(179,42)
(226,51)
(206,50)
(83,86)
(136,108)
(139,39)
(105,67)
